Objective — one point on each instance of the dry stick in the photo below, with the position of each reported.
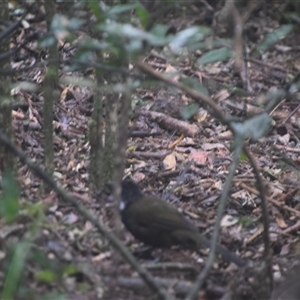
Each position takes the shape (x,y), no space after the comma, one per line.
(168,122)
(209,262)
(262,63)
(158,154)
(114,241)
(292,228)
(180,287)
(264,204)
(284,157)
(284,206)
(171,266)
(288,195)
(275,202)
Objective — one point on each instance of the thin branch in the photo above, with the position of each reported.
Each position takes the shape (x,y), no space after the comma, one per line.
(265,216)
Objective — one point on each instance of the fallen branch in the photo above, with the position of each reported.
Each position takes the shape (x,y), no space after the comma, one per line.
(170,123)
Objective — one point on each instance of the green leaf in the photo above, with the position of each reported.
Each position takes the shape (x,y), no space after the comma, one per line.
(254,128)
(70,270)
(95,8)
(194,84)
(47,276)
(214,56)
(188,36)
(9,200)
(15,270)
(159,30)
(188,111)
(122,34)
(143,16)
(246,221)
(54,296)
(33,209)
(292,16)
(47,42)
(243,156)
(209,43)
(122,8)
(273,37)
(61,26)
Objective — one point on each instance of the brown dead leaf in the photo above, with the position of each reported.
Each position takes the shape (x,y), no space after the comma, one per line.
(212,146)
(170,69)
(138,176)
(66,94)
(198,156)
(187,141)
(210,158)
(223,153)
(280,221)
(201,115)
(256,234)
(225,134)
(176,142)
(218,185)
(221,95)
(17,115)
(101,256)
(284,139)
(169,162)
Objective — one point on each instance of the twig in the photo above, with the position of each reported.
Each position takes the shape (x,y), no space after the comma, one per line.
(272,66)
(288,195)
(142,134)
(181,287)
(292,228)
(265,215)
(171,266)
(275,202)
(291,114)
(168,122)
(159,155)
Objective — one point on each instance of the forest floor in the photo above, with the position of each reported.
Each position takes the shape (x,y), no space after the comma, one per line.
(188,171)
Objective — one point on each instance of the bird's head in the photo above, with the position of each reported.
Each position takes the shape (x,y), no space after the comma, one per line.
(130,193)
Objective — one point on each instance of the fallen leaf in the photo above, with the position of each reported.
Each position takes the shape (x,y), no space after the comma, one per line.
(279,219)
(221,95)
(228,221)
(138,176)
(198,156)
(169,162)
(176,142)
(210,146)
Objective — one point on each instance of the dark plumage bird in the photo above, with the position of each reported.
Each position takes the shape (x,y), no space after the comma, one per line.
(159,224)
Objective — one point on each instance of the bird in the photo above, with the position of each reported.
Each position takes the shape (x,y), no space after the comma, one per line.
(159,224)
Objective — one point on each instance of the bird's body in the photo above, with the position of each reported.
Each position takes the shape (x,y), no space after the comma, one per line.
(159,224)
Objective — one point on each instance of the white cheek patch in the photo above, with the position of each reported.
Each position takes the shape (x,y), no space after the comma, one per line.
(122,205)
